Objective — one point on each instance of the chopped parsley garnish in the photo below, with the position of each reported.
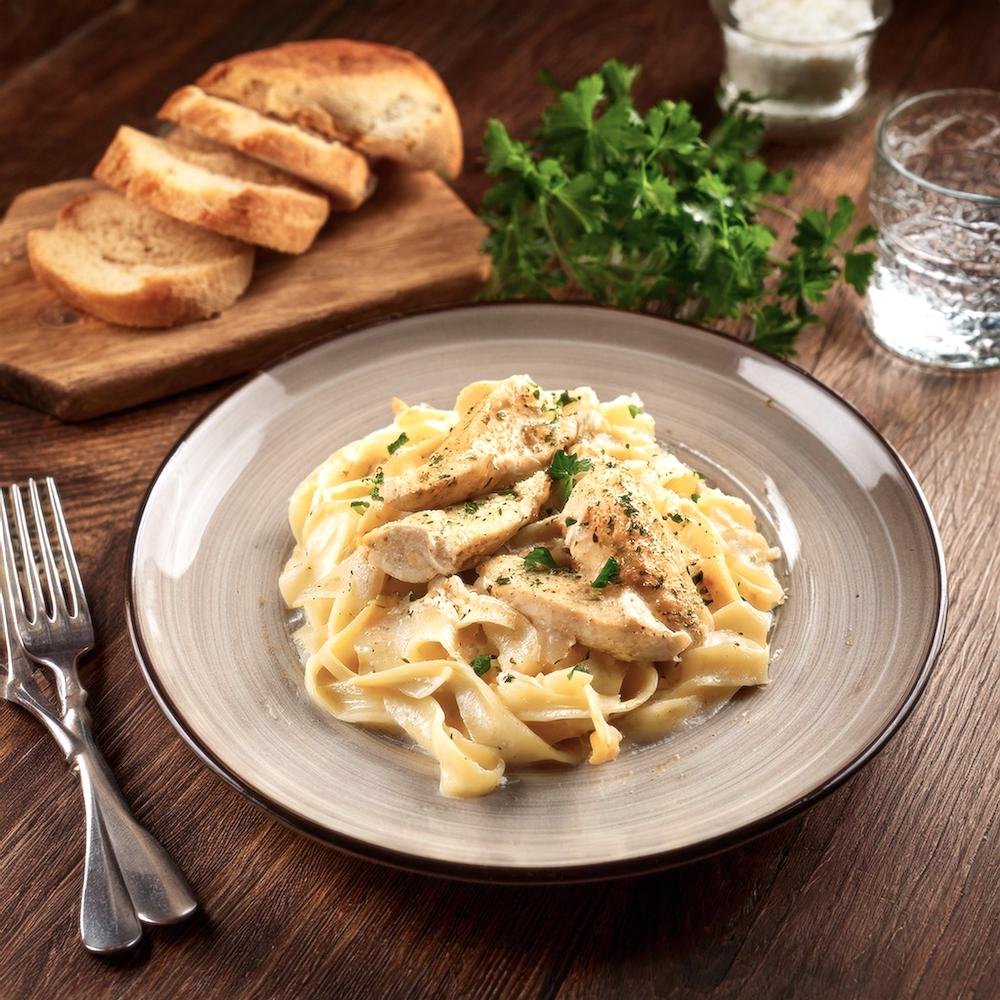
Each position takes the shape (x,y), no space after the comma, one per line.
(377,480)
(509,492)
(570,521)
(540,558)
(564,399)
(697,578)
(397,444)
(502,581)
(573,670)
(608,574)
(634,410)
(434,459)
(471,506)
(564,468)
(482,664)
(695,497)
(676,518)
(359,506)
(626,502)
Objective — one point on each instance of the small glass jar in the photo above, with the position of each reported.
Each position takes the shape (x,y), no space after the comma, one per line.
(806,60)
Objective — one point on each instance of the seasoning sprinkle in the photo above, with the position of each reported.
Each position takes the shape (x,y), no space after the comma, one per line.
(397,444)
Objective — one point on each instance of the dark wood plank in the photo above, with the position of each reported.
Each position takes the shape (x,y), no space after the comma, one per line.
(885,889)
(32,28)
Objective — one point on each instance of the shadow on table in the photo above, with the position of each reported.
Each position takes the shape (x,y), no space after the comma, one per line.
(637,935)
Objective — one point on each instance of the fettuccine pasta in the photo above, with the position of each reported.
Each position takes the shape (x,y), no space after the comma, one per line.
(526,578)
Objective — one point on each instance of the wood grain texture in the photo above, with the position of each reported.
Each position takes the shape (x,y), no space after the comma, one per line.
(886,889)
(415,244)
(33,27)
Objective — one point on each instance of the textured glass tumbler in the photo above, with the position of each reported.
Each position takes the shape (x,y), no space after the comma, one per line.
(935,196)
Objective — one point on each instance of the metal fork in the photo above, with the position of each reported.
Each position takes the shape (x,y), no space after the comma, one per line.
(128,876)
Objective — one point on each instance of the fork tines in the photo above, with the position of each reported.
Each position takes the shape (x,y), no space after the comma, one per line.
(62,595)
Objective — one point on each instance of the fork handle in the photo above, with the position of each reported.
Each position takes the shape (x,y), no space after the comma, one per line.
(158,891)
(108,922)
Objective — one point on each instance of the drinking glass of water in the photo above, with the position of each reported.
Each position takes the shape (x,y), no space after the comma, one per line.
(935,196)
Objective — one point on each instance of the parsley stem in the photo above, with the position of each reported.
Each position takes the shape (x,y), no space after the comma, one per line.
(567,267)
(780,209)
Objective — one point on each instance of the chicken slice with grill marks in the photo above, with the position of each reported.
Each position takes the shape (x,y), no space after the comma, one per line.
(616,518)
(614,619)
(432,543)
(503,434)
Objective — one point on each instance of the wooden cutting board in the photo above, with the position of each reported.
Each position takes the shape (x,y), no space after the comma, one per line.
(414,245)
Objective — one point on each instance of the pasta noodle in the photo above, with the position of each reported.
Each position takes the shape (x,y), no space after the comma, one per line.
(414,622)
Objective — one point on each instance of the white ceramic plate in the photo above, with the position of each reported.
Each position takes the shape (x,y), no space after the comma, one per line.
(853,645)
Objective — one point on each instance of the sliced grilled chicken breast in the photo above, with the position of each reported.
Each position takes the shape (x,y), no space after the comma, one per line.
(507,434)
(432,543)
(616,518)
(615,619)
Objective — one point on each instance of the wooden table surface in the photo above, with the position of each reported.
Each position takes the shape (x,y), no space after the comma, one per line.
(887,888)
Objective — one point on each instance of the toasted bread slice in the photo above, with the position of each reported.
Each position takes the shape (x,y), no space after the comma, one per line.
(199,181)
(132,265)
(341,171)
(383,101)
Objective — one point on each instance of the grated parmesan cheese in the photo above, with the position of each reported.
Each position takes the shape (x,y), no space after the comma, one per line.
(803,20)
(808,59)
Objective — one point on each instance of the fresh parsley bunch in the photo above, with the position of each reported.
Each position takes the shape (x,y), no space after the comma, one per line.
(643,212)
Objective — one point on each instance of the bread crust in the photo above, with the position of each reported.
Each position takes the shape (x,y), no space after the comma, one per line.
(177,294)
(384,101)
(342,172)
(285,217)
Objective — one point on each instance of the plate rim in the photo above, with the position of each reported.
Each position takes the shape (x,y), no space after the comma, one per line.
(499,874)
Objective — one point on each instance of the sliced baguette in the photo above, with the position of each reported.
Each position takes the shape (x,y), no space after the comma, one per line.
(199,181)
(341,171)
(383,101)
(132,265)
